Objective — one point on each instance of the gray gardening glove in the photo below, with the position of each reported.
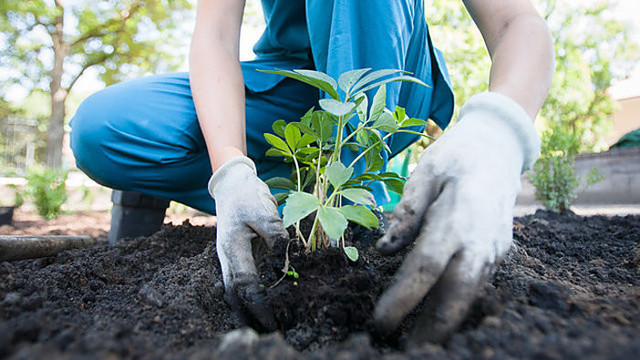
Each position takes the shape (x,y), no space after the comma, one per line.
(458,207)
(247,219)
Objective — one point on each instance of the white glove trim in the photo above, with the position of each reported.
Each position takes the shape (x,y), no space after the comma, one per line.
(225,169)
(513,116)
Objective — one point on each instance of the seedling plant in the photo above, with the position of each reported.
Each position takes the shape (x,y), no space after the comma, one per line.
(322,182)
(554,177)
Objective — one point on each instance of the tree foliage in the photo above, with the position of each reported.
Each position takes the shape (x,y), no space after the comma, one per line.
(49,45)
(589,44)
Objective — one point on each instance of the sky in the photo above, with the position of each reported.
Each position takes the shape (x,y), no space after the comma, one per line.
(629,11)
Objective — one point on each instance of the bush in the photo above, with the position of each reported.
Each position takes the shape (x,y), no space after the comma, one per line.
(47,189)
(554,176)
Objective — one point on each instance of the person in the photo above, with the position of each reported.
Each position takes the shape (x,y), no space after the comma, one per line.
(179,136)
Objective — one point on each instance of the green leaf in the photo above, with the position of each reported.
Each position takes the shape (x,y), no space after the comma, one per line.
(412,122)
(399,114)
(322,124)
(373,76)
(306,139)
(278,127)
(374,161)
(352,146)
(338,174)
(395,185)
(351,252)
(306,129)
(386,122)
(347,79)
(319,76)
(364,177)
(333,222)
(298,206)
(277,143)
(397,78)
(280,183)
(391,174)
(309,153)
(292,135)
(281,197)
(362,107)
(376,139)
(277,153)
(361,187)
(362,137)
(336,107)
(379,103)
(306,118)
(360,215)
(308,175)
(315,80)
(359,196)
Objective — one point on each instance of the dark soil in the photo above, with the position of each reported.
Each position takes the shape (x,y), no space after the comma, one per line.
(569,289)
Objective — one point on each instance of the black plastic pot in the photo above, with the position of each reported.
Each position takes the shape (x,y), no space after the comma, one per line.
(6,214)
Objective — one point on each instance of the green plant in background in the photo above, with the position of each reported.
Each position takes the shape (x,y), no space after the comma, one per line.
(47,189)
(554,177)
(320,182)
(18,198)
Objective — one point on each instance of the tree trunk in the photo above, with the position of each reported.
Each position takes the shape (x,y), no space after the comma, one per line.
(55,130)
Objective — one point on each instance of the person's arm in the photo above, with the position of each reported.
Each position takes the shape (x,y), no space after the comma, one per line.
(216,79)
(247,212)
(458,203)
(521,50)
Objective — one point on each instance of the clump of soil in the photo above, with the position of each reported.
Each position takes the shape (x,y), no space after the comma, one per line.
(331,297)
(570,289)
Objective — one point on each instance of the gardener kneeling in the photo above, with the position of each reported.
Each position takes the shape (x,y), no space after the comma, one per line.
(164,136)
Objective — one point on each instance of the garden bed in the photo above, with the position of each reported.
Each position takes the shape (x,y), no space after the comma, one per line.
(570,289)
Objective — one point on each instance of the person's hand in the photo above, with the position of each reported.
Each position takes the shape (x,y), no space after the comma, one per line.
(247,219)
(458,207)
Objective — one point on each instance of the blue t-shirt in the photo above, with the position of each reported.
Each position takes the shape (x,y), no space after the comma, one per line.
(335,36)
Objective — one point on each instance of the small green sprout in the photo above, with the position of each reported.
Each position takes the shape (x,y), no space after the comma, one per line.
(293,273)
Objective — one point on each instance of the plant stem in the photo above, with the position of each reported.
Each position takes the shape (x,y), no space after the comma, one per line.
(313,237)
(295,162)
(367,150)
(297,225)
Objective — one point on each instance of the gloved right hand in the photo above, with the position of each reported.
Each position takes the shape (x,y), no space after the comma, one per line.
(247,218)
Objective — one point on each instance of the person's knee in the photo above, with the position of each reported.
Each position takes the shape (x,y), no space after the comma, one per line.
(89,130)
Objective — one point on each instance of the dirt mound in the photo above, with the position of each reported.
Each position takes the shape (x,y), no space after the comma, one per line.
(569,289)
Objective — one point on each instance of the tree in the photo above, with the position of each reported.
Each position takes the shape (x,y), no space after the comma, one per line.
(590,44)
(48,45)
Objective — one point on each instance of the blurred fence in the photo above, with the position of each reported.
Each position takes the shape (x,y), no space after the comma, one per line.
(17,145)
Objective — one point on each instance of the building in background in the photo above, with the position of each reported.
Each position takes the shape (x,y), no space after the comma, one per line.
(627,117)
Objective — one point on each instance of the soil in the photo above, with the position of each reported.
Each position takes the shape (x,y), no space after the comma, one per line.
(569,289)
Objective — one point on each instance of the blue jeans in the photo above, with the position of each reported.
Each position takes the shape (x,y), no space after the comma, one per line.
(143,135)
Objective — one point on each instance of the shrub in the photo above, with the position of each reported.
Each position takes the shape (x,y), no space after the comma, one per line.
(47,189)
(554,176)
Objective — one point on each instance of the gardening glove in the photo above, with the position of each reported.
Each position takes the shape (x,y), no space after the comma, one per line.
(458,207)
(248,220)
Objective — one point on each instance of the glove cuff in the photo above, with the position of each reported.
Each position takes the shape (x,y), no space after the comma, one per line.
(228,167)
(513,116)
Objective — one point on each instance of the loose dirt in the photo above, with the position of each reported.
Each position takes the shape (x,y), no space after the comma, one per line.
(569,289)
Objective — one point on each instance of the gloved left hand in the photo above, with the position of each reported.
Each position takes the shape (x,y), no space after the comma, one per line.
(458,207)
(247,219)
